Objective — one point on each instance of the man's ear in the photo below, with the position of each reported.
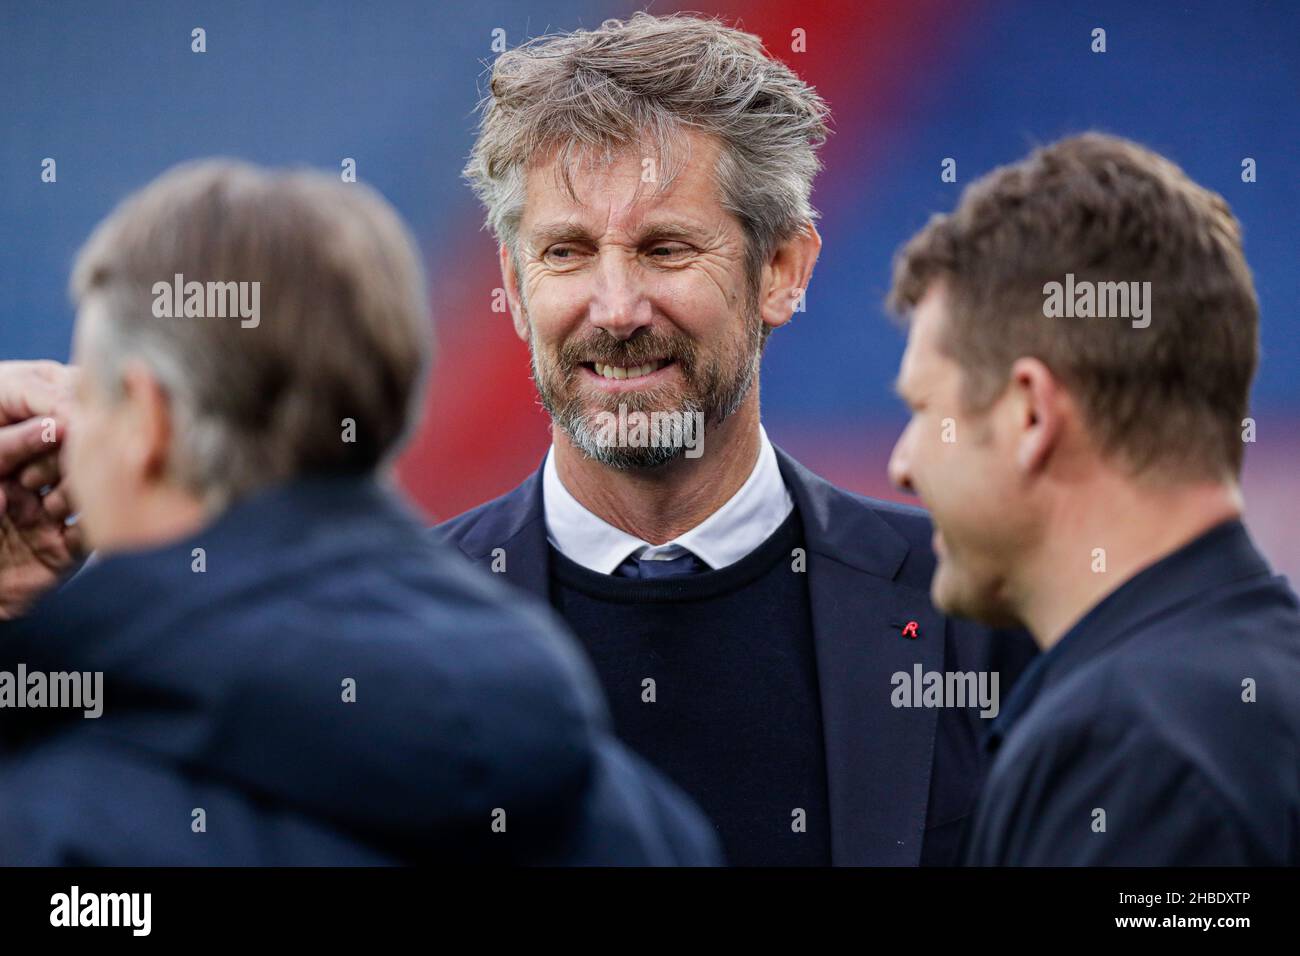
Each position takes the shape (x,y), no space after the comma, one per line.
(1040,407)
(786,276)
(147,410)
(510,282)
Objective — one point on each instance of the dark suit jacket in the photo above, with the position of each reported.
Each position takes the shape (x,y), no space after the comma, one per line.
(1143,712)
(223,691)
(901,781)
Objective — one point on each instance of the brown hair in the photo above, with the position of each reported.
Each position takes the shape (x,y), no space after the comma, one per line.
(344,330)
(1170,396)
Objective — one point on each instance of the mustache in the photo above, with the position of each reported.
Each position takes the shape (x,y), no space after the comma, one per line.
(637,350)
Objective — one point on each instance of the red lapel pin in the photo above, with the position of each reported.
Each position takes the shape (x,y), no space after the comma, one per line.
(909,630)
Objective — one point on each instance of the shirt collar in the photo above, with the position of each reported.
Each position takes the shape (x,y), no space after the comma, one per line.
(743,522)
(1220,556)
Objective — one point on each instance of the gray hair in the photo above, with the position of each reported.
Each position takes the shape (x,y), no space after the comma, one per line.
(648,79)
(344,332)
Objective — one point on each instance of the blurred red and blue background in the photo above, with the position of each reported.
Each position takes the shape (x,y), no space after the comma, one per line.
(114,94)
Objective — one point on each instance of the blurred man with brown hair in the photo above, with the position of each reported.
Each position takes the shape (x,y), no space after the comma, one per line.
(1085,325)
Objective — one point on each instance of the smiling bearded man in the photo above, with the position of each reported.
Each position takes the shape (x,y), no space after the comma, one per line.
(648,183)
(618,363)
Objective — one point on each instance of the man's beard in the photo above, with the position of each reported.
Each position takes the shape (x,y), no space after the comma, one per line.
(713,388)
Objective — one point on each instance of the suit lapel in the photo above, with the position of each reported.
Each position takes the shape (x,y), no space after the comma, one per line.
(509,537)
(878,757)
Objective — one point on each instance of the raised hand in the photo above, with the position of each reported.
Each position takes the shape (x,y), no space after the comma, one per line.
(36,545)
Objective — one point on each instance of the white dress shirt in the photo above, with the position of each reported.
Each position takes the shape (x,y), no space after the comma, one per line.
(744,522)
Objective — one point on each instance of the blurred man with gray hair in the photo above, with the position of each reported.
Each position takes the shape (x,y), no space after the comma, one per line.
(649,186)
(293,672)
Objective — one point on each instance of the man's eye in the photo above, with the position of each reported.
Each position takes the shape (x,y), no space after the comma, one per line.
(668,250)
(563,253)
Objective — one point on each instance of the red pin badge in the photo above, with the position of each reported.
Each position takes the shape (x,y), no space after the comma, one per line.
(909,630)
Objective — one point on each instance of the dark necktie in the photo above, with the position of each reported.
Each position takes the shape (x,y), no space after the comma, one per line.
(648,570)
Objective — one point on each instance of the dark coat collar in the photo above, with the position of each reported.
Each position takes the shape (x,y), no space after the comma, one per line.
(1223,555)
(835,521)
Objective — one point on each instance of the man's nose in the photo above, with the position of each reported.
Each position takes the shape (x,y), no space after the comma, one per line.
(618,302)
(900,472)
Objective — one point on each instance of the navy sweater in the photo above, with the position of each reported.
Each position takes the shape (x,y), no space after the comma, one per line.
(733,715)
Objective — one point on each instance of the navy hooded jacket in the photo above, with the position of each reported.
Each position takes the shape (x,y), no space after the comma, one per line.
(312,680)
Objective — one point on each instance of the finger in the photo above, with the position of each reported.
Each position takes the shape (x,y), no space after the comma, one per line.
(40,473)
(21,443)
(29,389)
(57,505)
(22,507)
